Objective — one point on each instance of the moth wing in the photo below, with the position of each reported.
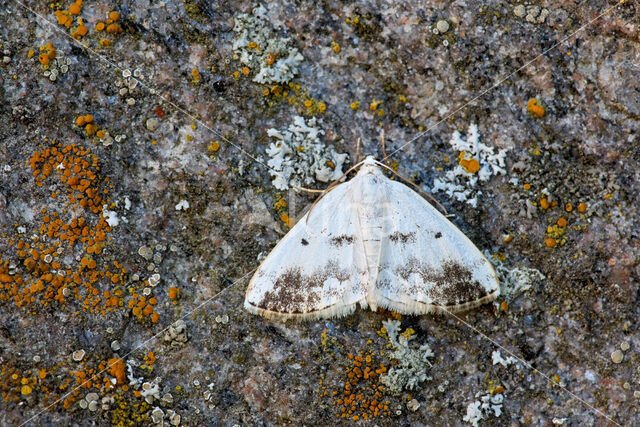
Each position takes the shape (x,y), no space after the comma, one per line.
(318,269)
(426,263)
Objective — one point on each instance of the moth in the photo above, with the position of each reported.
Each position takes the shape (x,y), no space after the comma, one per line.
(372,242)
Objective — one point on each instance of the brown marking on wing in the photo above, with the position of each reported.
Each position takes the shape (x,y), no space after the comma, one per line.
(295,292)
(454,282)
(342,240)
(398,237)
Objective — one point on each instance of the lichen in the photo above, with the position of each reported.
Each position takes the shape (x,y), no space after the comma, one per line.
(300,158)
(489,405)
(257,46)
(414,364)
(515,279)
(477,162)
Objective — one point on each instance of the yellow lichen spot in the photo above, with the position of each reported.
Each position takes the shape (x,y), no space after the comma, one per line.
(308,103)
(105,42)
(535,109)
(300,149)
(213,146)
(336,47)
(568,207)
(195,74)
(42,373)
(246,71)
(373,106)
(527,186)
(280,204)
(236,74)
(322,107)
(100,134)
(25,390)
(252,45)
(355,105)
(31,53)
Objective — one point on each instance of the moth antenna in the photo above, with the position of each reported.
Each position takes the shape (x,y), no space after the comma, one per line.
(384,150)
(331,186)
(415,186)
(309,190)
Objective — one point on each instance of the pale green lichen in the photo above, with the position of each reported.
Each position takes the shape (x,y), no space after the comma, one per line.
(414,364)
(514,279)
(299,157)
(258,46)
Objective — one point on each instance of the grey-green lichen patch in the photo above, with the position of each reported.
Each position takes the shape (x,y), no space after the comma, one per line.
(256,45)
(477,163)
(299,157)
(515,279)
(414,363)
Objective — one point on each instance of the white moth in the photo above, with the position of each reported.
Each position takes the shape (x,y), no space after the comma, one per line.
(374,242)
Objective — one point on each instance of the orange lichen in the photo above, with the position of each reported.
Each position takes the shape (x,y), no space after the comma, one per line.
(582,207)
(271,59)
(246,71)
(544,203)
(75,8)
(174,292)
(361,396)
(568,207)
(117,369)
(527,186)
(550,242)
(470,165)
(195,76)
(114,29)
(562,222)
(504,306)
(114,16)
(63,18)
(288,221)
(535,109)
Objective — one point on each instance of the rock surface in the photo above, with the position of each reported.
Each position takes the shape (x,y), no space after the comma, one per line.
(114,113)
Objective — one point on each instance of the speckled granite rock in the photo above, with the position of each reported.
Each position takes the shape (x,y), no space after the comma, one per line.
(135,192)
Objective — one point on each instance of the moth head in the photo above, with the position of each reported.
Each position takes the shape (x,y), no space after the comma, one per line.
(369,165)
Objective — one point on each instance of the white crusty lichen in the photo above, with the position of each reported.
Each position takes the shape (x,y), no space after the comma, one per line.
(259,47)
(414,364)
(515,279)
(298,157)
(496,358)
(477,162)
(489,405)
